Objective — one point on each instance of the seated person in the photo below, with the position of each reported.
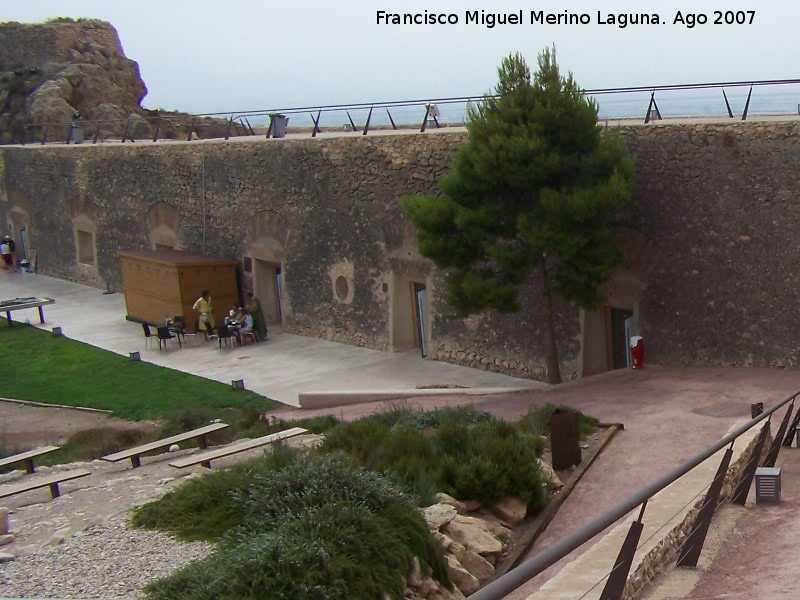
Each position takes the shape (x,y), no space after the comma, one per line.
(245,324)
(234,315)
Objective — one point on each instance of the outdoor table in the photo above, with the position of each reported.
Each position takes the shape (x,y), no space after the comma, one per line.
(22,303)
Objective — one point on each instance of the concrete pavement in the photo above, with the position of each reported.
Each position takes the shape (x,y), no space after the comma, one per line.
(280,368)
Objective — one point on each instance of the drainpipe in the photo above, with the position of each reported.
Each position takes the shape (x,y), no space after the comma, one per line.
(203,189)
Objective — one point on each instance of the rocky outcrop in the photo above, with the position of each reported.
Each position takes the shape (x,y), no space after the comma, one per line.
(60,71)
(474,542)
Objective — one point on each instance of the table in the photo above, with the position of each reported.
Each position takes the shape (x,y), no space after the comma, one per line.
(8,306)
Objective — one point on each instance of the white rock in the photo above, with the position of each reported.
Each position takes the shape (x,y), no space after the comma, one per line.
(477,565)
(438,515)
(6,557)
(174,448)
(6,539)
(511,510)
(465,580)
(473,535)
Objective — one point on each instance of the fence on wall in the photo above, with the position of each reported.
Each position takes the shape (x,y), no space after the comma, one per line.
(732,100)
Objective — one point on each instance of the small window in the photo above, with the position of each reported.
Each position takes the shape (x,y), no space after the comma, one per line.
(342,288)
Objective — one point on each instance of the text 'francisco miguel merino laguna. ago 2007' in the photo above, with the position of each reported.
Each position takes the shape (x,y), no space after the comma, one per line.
(539,17)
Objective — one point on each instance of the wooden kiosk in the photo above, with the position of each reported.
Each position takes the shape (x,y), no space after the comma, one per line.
(166,283)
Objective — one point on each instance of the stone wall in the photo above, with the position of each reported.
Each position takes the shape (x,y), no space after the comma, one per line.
(719,205)
(712,233)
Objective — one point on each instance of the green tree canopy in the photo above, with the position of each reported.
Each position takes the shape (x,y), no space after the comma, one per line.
(531,193)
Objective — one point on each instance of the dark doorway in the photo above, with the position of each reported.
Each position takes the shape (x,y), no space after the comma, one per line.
(618,323)
(421,313)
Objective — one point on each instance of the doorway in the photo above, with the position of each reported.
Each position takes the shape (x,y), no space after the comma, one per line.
(421,315)
(267,285)
(410,324)
(619,324)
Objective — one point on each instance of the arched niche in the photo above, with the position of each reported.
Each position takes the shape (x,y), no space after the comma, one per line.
(163,221)
(83,228)
(267,235)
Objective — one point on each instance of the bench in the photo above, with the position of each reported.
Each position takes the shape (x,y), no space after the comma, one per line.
(27,457)
(51,481)
(8,306)
(135,453)
(205,458)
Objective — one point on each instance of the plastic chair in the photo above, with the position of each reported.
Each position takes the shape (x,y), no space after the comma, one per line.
(148,335)
(245,335)
(224,334)
(164,335)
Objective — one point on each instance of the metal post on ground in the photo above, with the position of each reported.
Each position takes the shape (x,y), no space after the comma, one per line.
(615,584)
(772,455)
(743,489)
(690,552)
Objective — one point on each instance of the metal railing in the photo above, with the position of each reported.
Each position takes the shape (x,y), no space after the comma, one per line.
(777,96)
(527,570)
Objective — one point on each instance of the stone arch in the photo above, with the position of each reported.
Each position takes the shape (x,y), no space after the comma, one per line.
(267,236)
(605,332)
(410,288)
(163,221)
(17,228)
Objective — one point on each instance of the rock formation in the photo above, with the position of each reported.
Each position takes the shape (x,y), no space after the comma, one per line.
(61,71)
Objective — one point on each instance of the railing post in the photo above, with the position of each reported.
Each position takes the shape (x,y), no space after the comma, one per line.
(743,489)
(690,552)
(747,104)
(391,120)
(772,455)
(618,577)
(352,124)
(727,104)
(366,125)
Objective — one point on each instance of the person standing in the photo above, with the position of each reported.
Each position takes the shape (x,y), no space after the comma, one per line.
(204,308)
(253,308)
(7,250)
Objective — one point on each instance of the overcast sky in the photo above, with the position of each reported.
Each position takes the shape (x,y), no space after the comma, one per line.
(205,56)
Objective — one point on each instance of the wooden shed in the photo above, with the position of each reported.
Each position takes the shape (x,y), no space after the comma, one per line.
(166,283)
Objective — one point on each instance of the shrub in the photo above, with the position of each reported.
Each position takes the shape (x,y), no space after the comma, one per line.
(310,528)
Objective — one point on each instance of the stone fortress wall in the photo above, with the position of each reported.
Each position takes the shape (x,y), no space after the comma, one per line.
(712,234)
(26,45)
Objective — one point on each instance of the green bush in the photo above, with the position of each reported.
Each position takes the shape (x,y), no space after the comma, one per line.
(310,528)
(204,508)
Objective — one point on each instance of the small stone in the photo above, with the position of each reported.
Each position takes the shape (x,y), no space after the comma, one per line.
(174,448)
(6,557)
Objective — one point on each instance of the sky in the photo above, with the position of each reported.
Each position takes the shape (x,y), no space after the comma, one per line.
(201,56)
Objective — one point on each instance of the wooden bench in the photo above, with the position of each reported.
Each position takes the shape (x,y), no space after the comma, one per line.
(27,457)
(51,481)
(205,458)
(9,306)
(135,453)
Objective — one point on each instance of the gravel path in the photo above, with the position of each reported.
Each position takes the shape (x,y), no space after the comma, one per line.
(80,544)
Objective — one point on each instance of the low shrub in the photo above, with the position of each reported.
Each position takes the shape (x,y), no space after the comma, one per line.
(307,528)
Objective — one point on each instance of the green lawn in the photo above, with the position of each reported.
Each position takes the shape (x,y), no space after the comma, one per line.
(39,366)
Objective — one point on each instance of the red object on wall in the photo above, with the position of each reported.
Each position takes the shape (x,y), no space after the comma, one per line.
(637,352)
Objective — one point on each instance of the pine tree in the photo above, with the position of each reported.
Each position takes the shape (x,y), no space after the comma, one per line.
(531,193)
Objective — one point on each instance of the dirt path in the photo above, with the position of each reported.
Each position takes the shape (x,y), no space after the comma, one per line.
(25,425)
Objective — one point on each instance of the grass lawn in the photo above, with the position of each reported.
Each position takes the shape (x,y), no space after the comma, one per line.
(38,366)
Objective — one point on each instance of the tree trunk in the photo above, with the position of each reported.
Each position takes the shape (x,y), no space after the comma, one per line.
(553,370)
